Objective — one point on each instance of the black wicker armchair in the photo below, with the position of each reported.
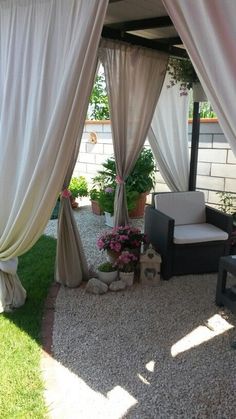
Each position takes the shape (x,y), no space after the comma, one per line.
(190,236)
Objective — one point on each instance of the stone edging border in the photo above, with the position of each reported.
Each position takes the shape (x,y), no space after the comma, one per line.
(48,318)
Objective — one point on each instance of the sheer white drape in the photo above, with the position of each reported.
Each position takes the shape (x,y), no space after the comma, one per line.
(134,79)
(207,29)
(48,54)
(168,136)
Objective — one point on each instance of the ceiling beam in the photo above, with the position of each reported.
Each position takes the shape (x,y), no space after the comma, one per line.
(175,40)
(111,33)
(134,25)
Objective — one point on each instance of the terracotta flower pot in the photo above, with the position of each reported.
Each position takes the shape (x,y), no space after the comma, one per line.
(73,202)
(96,207)
(138,211)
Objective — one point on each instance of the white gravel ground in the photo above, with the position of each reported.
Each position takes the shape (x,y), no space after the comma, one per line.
(150,352)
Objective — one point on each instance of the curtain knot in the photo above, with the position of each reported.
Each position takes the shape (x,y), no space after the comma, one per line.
(119,180)
(9,266)
(66,193)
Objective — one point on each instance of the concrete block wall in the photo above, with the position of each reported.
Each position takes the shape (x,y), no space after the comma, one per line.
(216,162)
(96,147)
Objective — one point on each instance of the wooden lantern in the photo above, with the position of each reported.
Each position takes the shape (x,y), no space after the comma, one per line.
(150,266)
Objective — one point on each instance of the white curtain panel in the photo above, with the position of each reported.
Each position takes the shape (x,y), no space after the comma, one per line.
(207,28)
(48,54)
(168,136)
(134,77)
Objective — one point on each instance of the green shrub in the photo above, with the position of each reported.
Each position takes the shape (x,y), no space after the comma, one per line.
(78,187)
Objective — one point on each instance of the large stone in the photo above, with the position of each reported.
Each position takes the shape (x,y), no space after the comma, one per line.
(117,285)
(95,286)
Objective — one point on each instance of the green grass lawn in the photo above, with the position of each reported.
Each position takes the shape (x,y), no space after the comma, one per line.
(21,385)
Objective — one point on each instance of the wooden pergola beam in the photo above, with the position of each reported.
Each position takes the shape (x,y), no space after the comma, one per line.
(112,33)
(135,25)
(175,40)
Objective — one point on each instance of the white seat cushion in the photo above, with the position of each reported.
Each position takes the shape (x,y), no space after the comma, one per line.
(183,207)
(197,233)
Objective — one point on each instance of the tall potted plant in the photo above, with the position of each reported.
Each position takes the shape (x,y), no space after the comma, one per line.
(138,184)
(94,195)
(141,180)
(106,203)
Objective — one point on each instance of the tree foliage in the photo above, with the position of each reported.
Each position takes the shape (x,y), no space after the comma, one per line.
(98,103)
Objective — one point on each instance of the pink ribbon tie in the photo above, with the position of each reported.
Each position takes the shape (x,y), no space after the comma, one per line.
(66,193)
(119,180)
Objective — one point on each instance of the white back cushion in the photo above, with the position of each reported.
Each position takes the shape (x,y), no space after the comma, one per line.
(184,207)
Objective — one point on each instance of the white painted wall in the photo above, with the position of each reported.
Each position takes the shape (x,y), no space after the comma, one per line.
(216,162)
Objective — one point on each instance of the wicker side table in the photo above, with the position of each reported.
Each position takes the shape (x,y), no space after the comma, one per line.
(226,296)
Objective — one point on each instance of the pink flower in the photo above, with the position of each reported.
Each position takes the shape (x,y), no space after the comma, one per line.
(100,244)
(126,261)
(121,238)
(66,193)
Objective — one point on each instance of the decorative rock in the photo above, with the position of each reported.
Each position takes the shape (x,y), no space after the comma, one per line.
(117,285)
(95,286)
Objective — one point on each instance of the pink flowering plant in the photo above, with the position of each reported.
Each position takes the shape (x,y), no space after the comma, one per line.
(121,238)
(126,262)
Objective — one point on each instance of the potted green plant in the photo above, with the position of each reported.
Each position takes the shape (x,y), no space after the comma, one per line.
(227,205)
(106,203)
(94,195)
(107,272)
(126,264)
(138,184)
(78,188)
(141,180)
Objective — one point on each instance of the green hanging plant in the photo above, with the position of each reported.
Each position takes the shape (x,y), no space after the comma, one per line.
(182,71)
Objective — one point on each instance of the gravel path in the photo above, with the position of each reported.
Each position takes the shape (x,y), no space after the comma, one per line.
(156,351)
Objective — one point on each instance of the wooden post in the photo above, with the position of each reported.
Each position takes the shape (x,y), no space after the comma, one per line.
(194,147)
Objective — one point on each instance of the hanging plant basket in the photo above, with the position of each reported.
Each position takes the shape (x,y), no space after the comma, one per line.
(198,93)
(182,72)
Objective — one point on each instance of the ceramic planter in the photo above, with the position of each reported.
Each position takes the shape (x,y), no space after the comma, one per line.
(127,277)
(109,219)
(107,277)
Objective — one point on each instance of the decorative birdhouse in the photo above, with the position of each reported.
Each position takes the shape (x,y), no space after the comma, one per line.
(150,266)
